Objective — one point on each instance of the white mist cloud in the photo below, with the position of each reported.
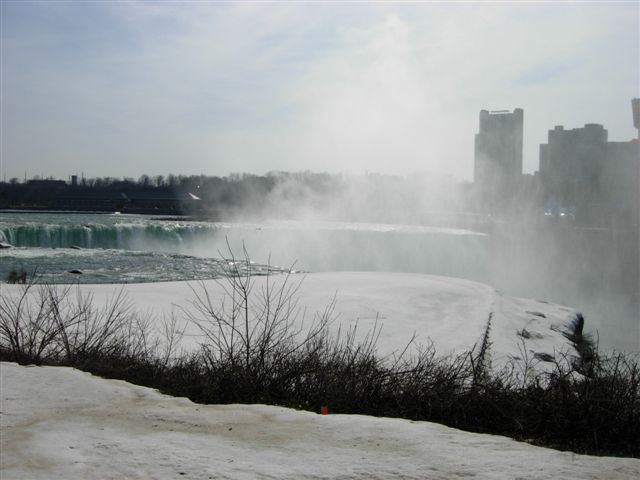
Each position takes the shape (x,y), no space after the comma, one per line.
(369,108)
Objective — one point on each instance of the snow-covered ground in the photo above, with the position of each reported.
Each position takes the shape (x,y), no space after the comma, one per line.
(60,423)
(451,312)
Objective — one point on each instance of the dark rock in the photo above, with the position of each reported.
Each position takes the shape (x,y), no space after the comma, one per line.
(543,357)
(524,333)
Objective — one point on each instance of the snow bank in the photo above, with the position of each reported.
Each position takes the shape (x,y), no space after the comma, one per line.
(451,312)
(60,423)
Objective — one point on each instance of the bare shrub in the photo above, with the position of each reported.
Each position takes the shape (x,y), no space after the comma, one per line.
(254,335)
(28,328)
(86,330)
(61,323)
(584,345)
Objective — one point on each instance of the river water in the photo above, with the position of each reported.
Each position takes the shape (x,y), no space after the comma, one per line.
(113,248)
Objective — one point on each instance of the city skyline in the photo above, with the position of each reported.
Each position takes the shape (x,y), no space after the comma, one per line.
(122,89)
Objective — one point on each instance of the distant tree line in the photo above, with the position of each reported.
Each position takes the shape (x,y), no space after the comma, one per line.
(233,192)
(416,199)
(177,181)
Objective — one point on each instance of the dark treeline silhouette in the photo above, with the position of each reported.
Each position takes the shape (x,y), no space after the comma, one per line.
(373,197)
(180,194)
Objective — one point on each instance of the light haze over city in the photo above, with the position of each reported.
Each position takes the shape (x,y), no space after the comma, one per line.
(126,88)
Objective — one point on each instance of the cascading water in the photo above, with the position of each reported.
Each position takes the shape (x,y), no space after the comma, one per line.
(315,246)
(120,236)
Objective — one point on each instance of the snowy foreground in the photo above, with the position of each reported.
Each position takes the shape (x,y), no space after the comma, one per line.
(60,423)
(451,312)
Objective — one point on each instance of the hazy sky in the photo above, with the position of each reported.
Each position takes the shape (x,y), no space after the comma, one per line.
(131,87)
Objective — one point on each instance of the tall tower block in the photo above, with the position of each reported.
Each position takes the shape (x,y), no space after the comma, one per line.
(498,151)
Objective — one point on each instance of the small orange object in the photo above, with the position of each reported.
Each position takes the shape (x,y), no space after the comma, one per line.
(324,410)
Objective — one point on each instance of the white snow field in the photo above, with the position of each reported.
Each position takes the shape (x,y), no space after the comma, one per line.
(451,312)
(60,423)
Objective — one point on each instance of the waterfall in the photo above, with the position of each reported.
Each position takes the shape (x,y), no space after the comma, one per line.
(120,236)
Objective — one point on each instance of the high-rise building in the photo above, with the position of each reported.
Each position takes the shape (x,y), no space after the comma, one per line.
(583,172)
(498,153)
(571,162)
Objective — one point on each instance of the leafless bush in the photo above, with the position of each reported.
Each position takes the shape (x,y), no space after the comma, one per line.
(61,323)
(254,331)
(29,327)
(85,330)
